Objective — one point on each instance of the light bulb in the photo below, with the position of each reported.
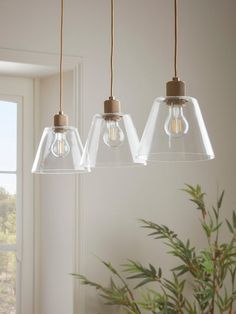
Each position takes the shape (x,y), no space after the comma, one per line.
(60,147)
(176,125)
(113,135)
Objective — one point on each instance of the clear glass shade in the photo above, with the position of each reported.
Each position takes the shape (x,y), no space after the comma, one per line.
(111,142)
(59,152)
(175,131)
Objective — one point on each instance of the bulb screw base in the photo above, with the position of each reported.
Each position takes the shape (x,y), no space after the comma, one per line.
(111,109)
(60,121)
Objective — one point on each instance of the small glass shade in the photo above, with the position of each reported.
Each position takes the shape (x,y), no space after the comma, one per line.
(111,143)
(175,131)
(59,152)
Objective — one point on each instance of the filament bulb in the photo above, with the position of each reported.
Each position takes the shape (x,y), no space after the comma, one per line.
(113,135)
(60,147)
(176,125)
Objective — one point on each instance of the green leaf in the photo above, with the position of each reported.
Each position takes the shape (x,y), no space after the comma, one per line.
(229,226)
(110,267)
(234,219)
(220,200)
(210,268)
(217,227)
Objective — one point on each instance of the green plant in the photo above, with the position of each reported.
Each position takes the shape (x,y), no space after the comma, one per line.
(7,259)
(209,269)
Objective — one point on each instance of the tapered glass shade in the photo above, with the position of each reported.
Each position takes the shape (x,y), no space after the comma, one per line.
(111,143)
(175,131)
(59,152)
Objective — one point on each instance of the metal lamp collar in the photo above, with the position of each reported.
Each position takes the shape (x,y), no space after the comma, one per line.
(60,120)
(112,109)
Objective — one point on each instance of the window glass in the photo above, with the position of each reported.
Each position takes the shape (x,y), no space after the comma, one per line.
(8,282)
(8,191)
(7,209)
(8,137)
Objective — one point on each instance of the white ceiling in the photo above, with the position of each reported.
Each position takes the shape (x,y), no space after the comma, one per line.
(25,70)
(33,64)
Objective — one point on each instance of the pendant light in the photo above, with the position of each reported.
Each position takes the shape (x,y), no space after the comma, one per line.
(112,139)
(60,148)
(175,130)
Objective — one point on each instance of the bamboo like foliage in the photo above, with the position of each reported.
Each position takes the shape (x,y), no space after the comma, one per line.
(211,271)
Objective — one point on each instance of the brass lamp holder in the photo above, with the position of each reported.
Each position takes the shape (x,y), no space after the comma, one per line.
(175,88)
(60,121)
(112,109)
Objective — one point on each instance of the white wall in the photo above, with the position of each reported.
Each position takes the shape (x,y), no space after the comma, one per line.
(57,210)
(144,35)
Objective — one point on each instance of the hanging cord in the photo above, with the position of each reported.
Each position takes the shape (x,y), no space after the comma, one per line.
(112,48)
(176,37)
(61,55)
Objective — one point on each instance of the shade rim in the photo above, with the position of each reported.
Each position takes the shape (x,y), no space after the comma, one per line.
(162,98)
(66,127)
(62,171)
(177,157)
(120,165)
(103,114)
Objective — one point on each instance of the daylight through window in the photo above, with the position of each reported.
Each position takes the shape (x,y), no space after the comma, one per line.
(9,164)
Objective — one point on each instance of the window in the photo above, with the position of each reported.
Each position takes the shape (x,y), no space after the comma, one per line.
(16,196)
(10,207)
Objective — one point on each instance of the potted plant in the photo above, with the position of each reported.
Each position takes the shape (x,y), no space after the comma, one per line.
(212,270)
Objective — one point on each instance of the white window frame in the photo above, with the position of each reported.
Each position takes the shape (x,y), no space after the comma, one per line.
(16,248)
(47,64)
(20,91)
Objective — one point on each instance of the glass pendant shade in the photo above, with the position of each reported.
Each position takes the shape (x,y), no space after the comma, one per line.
(111,142)
(59,152)
(175,131)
